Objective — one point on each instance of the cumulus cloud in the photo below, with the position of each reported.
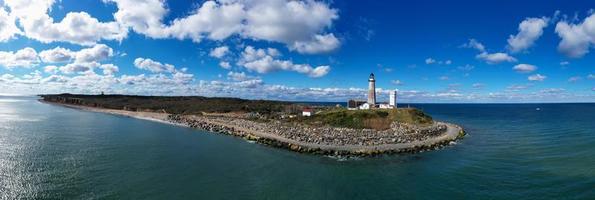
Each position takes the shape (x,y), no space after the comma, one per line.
(75,27)
(265,61)
(153,66)
(484,55)
(430,61)
(8,28)
(319,44)
(474,44)
(26,57)
(51,69)
(529,31)
(224,65)
(97,53)
(219,52)
(80,68)
(109,69)
(56,55)
(495,58)
(576,38)
(524,68)
(396,82)
(536,77)
(301,25)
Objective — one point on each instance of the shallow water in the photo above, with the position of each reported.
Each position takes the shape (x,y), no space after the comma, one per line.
(512,151)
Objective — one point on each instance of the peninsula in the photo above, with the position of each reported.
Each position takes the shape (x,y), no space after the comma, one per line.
(327,130)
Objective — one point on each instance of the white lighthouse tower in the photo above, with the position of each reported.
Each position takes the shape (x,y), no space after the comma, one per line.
(372,90)
(393,98)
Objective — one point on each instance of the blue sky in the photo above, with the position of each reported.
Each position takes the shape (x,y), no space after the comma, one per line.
(431,51)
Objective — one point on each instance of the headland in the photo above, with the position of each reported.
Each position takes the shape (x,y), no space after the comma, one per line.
(325,130)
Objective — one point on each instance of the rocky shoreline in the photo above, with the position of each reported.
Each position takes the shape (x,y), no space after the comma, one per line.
(326,140)
(400,138)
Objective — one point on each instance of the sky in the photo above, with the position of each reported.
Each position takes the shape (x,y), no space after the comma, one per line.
(458,51)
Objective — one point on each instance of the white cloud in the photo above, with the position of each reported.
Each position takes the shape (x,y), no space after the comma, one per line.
(466,67)
(144,17)
(97,53)
(80,68)
(396,82)
(591,76)
(524,68)
(153,66)
(242,77)
(443,78)
(75,27)
(536,77)
(217,21)
(430,61)
(576,38)
(8,28)
(56,55)
(109,69)
(264,61)
(529,31)
(219,52)
(564,63)
(474,44)
(51,69)
(224,65)
(495,58)
(26,57)
(300,25)
(319,44)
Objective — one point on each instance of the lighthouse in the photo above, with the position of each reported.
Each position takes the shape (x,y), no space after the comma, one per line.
(372,90)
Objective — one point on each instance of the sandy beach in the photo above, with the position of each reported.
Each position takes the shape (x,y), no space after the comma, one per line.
(452,133)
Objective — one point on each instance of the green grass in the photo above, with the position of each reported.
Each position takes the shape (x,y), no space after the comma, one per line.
(379,119)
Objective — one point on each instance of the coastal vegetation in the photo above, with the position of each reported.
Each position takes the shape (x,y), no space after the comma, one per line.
(380,119)
(330,130)
(172,104)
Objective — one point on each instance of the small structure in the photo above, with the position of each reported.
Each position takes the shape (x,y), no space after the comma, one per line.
(384,106)
(392,95)
(307,112)
(365,106)
(354,104)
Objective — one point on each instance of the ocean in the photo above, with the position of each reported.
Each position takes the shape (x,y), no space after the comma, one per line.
(512,151)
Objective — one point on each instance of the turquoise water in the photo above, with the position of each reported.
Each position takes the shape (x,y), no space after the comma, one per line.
(512,151)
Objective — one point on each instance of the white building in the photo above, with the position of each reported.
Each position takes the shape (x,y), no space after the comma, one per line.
(365,106)
(384,106)
(393,98)
(307,112)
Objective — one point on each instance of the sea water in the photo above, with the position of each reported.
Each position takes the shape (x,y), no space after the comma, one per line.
(512,151)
